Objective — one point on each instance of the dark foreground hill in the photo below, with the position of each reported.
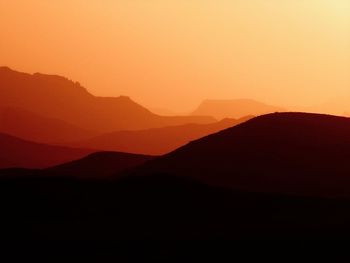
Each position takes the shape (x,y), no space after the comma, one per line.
(156,141)
(160,207)
(296,153)
(19,153)
(277,176)
(59,98)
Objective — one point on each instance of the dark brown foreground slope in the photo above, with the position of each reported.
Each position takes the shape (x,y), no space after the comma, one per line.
(284,152)
(279,176)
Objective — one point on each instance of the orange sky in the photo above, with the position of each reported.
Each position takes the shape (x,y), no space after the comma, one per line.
(174,53)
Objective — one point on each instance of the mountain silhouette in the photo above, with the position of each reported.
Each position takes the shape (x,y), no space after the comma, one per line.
(19,153)
(277,176)
(156,141)
(98,165)
(59,98)
(30,126)
(294,153)
(237,108)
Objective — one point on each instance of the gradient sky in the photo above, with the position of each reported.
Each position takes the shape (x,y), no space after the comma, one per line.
(175,53)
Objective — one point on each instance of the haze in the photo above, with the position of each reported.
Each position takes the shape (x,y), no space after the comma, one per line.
(175,53)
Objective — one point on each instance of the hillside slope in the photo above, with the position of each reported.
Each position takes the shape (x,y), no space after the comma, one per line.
(98,165)
(34,127)
(19,153)
(294,153)
(156,141)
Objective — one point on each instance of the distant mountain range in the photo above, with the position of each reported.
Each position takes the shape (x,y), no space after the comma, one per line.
(59,98)
(65,173)
(237,108)
(16,152)
(156,141)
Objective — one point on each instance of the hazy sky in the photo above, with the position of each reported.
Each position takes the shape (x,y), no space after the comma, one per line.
(174,53)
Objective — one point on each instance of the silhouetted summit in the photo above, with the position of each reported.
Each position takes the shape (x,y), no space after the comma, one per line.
(283,152)
(57,97)
(234,108)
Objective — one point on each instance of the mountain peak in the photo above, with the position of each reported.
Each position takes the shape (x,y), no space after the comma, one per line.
(124,97)
(5,68)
